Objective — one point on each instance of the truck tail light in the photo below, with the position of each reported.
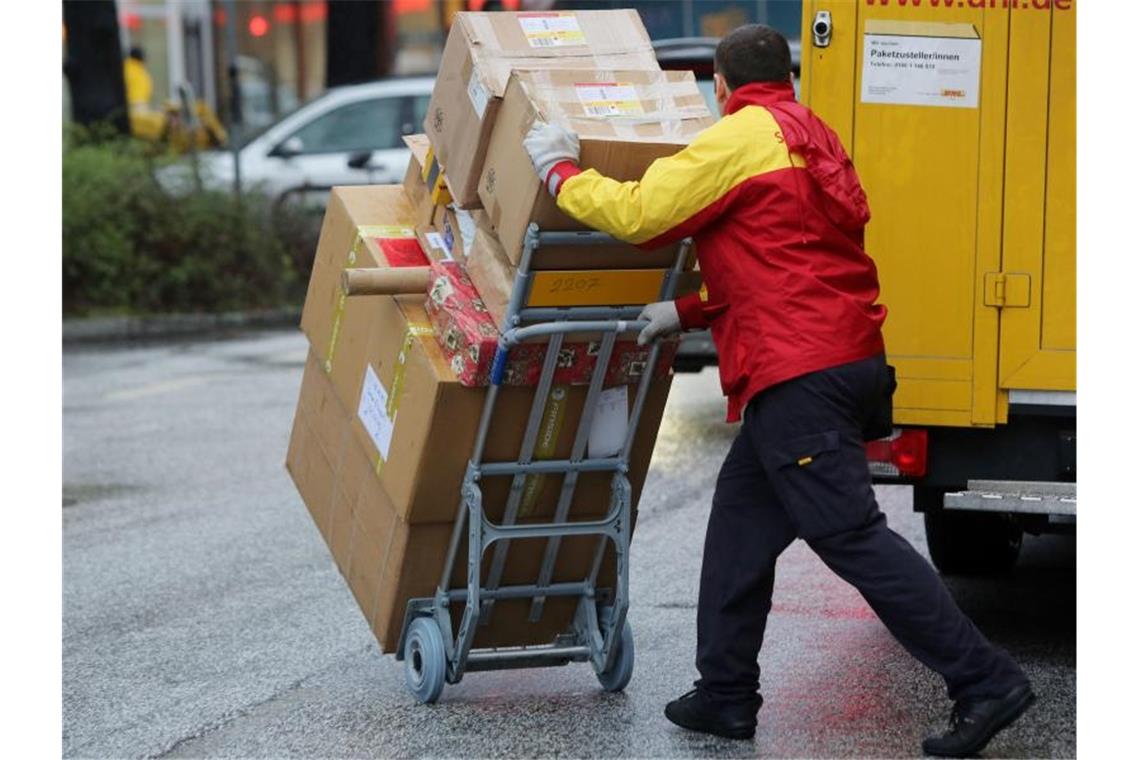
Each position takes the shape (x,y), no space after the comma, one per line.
(901,454)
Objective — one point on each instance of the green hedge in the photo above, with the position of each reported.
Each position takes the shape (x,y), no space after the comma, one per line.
(131,247)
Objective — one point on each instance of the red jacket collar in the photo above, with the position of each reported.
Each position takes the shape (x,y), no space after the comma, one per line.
(759,94)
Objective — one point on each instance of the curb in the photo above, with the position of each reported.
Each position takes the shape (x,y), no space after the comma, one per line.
(127,329)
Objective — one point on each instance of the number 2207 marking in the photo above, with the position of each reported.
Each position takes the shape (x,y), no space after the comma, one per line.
(574,284)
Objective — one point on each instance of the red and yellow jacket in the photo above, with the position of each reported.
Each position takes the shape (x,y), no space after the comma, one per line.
(776,212)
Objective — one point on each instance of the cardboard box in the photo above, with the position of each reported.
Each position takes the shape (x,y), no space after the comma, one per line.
(385,561)
(415,186)
(364,226)
(480,52)
(625,120)
(418,422)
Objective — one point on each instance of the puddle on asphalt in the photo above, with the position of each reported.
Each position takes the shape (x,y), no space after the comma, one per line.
(74,495)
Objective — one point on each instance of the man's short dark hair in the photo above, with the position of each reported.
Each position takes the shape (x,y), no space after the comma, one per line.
(753,53)
(137,53)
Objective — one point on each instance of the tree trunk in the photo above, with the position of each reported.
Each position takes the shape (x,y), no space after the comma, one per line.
(94,64)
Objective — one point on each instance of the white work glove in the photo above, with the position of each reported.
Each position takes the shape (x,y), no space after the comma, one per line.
(547,144)
(663,320)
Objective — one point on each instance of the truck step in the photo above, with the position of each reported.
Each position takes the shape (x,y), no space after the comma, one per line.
(1030,497)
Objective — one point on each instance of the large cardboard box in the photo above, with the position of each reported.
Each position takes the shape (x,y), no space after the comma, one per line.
(625,120)
(385,561)
(418,422)
(364,226)
(481,51)
(409,409)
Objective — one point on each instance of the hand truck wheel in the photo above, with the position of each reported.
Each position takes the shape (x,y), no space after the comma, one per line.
(425,661)
(617,675)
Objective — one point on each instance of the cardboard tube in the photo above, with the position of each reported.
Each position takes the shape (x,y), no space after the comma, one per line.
(386,282)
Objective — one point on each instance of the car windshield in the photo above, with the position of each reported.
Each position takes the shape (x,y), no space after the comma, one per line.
(248,135)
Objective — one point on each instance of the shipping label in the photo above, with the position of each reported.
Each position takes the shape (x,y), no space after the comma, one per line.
(373,412)
(921,71)
(549,30)
(439,243)
(478,94)
(609,99)
(610,424)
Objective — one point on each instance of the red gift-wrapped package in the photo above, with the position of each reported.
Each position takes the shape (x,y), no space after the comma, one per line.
(469,338)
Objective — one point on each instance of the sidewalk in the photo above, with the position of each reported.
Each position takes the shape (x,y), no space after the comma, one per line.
(124,329)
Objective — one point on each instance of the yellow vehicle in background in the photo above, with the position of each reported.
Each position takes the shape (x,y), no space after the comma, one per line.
(961,122)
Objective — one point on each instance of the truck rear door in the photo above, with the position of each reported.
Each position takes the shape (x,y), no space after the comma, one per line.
(917,91)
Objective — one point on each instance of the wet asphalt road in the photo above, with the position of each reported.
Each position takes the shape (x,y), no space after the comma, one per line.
(203,615)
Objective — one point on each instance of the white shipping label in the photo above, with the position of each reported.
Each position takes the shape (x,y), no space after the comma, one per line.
(373,412)
(478,94)
(467,228)
(921,71)
(611,422)
(553,29)
(437,241)
(609,99)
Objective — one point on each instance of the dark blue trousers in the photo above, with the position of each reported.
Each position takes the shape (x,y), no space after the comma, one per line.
(798,469)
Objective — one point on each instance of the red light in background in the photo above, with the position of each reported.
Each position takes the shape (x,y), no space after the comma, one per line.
(132,21)
(258,26)
(411,6)
(285,14)
(311,12)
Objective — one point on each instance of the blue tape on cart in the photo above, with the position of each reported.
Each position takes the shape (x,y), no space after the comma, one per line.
(499,366)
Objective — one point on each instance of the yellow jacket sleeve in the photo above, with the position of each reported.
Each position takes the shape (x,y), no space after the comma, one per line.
(673,191)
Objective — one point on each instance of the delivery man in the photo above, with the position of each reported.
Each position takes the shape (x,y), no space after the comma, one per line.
(777,213)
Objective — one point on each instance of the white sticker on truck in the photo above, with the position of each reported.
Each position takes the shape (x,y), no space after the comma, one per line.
(921,71)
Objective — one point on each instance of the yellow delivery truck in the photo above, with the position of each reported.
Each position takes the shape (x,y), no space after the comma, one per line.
(961,120)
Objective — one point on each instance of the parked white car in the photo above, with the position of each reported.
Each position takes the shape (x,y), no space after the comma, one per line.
(347,136)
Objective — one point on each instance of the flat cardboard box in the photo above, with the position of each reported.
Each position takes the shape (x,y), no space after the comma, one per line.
(387,562)
(415,188)
(419,423)
(481,51)
(655,114)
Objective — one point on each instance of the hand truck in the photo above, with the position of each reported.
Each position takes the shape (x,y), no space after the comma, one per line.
(599,633)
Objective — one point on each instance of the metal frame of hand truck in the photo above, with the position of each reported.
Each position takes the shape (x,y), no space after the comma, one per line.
(599,633)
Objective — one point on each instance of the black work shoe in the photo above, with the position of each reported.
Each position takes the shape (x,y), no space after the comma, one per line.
(697,712)
(974,722)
